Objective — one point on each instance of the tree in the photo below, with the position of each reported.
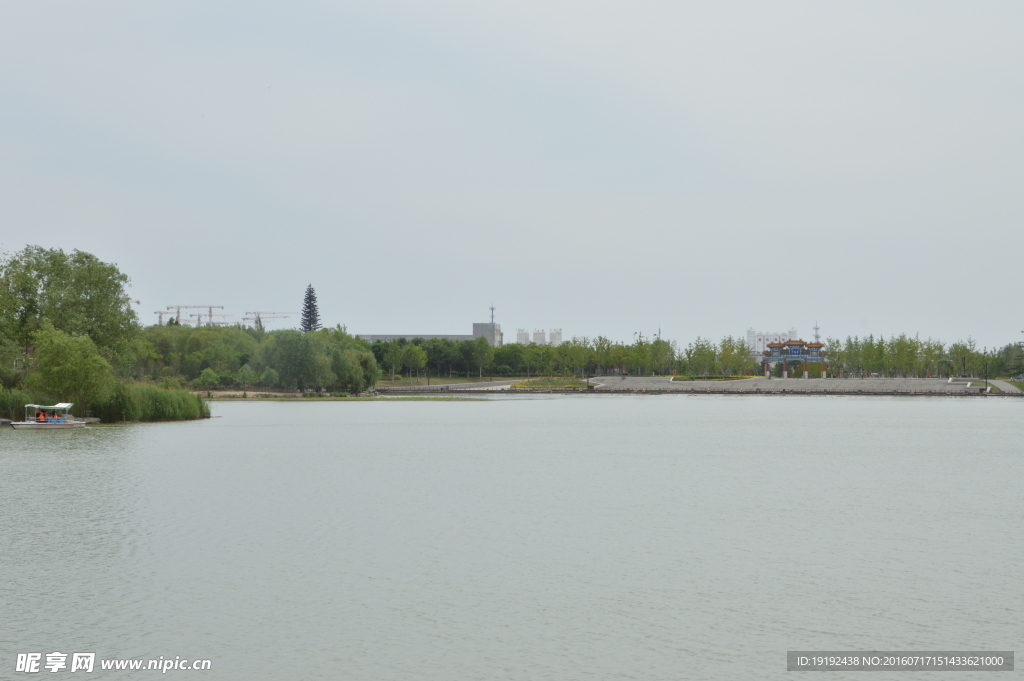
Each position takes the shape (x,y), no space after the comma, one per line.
(302,360)
(533,355)
(640,357)
(69,367)
(602,353)
(663,355)
(414,358)
(269,378)
(393,357)
(76,292)
(617,356)
(208,379)
(483,354)
(310,313)
(246,376)
(701,357)
(576,354)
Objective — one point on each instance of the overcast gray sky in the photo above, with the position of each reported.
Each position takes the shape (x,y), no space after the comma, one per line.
(601,167)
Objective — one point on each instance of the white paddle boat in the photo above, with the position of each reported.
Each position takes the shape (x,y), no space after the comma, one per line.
(48,417)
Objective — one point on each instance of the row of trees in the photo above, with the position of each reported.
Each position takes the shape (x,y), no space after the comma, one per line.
(905,356)
(898,356)
(213,357)
(577,357)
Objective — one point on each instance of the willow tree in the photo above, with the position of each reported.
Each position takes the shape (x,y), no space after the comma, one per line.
(69,367)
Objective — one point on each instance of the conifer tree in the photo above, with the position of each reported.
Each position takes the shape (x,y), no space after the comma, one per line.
(310,313)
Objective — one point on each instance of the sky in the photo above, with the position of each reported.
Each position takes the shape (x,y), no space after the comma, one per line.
(603,168)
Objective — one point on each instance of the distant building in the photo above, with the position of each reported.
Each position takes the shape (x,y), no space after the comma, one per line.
(490,331)
(539,337)
(522,336)
(758,341)
(555,337)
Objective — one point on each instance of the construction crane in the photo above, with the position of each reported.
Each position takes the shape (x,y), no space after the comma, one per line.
(179,308)
(209,321)
(160,318)
(261,313)
(259,318)
(130,302)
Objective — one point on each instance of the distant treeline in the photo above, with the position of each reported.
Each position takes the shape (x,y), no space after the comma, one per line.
(242,357)
(576,357)
(898,356)
(67,333)
(905,356)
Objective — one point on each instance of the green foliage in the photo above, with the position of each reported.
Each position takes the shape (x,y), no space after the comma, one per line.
(148,403)
(414,358)
(12,403)
(238,357)
(393,356)
(550,384)
(903,356)
(269,378)
(208,379)
(186,351)
(69,368)
(701,358)
(310,312)
(247,376)
(75,292)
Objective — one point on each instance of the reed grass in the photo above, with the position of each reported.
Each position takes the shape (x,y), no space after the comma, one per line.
(129,402)
(12,403)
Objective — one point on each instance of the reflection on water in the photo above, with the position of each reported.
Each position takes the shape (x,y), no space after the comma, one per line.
(580,537)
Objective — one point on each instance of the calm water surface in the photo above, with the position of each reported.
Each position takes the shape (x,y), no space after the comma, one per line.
(611,537)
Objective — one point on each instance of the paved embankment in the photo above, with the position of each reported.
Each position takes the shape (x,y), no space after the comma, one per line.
(1004,386)
(749,386)
(448,387)
(873,386)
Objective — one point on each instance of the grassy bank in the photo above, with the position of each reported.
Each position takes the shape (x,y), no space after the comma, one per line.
(552,384)
(351,398)
(712,378)
(402,382)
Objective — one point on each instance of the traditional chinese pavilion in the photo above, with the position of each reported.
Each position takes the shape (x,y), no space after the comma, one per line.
(793,350)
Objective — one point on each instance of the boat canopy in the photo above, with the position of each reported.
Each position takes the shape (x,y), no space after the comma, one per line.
(63,406)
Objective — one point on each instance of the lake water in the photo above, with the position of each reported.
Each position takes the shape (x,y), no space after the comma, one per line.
(589,537)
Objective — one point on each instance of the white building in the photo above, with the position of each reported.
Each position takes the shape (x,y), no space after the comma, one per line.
(539,337)
(522,336)
(555,337)
(758,341)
